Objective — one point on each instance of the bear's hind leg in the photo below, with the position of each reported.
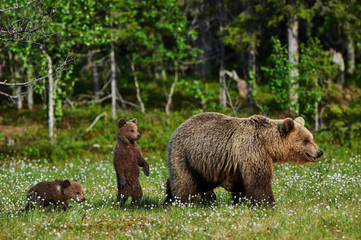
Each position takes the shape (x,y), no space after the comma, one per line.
(169,194)
(123,195)
(187,190)
(137,192)
(121,198)
(183,184)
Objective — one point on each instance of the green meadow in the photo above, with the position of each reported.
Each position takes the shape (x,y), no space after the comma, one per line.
(319,200)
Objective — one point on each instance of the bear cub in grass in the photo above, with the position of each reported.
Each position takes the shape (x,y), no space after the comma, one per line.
(55,193)
(127,159)
(211,149)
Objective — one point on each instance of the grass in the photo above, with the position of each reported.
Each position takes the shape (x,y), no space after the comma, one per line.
(320,200)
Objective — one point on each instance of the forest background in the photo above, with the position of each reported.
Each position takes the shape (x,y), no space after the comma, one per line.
(68,64)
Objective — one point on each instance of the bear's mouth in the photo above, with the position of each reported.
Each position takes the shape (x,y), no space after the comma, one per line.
(312,159)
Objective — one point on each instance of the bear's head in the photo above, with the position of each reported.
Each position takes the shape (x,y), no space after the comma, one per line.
(73,190)
(128,131)
(299,143)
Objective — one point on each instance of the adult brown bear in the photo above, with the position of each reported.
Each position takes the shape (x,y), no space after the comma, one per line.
(212,149)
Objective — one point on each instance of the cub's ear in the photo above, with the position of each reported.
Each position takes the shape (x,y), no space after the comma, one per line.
(134,120)
(300,120)
(287,126)
(74,180)
(121,122)
(66,183)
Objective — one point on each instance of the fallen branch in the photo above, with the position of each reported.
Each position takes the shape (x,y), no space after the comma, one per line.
(96,120)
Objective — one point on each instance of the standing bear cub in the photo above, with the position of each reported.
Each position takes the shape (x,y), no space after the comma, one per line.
(127,159)
(212,149)
(55,193)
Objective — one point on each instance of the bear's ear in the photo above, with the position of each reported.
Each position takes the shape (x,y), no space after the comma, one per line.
(74,180)
(134,120)
(121,122)
(300,120)
(66,183)
(287,126)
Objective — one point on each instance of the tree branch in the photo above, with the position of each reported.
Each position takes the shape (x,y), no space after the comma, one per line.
(17,7)
(25,27)
(60,68)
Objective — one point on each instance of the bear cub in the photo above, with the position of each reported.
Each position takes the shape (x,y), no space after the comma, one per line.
(127,160)
(55,193)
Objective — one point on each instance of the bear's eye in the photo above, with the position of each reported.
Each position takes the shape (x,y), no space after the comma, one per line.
(132,130)
(306,141)
(77,193)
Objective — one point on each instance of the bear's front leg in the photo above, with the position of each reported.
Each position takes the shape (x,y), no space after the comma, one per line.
(63,205)
(144,164)
(260,193)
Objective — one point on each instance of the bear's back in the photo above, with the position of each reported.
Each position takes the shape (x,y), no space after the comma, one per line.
(217,127)
(49,191)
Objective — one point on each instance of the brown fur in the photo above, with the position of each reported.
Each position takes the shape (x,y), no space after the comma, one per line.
(212,149)
(55,193)
(127,159)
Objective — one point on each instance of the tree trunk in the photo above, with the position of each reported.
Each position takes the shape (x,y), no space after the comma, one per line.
(169,100)
(222,84)
(316,116)
(251,67)
(19,98)
(350,51)
(30,98)
(292,34)
(204,40)
(142,108)
(222,76)
(15,75)
(51,102)
(96,87)
(113,80)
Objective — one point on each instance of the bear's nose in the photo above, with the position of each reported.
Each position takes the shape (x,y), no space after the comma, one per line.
(83,199)
(319,154)
(139,135)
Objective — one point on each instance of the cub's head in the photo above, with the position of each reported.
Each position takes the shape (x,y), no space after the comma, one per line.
(299,143)
(73,190)
(128,131)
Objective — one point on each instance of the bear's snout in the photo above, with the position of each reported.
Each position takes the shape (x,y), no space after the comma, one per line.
(319,154)
(139,135)
(80,199)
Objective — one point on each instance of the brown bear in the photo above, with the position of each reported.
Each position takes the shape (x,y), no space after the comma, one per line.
(127,159)
(211,149)
(55,193)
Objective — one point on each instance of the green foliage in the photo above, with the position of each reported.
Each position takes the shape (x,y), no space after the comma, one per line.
(200,90)
(345,123)
(278,72)
(315,71)
(73,140)
(283,10)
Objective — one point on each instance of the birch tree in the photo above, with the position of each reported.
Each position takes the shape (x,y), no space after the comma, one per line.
(293,45)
